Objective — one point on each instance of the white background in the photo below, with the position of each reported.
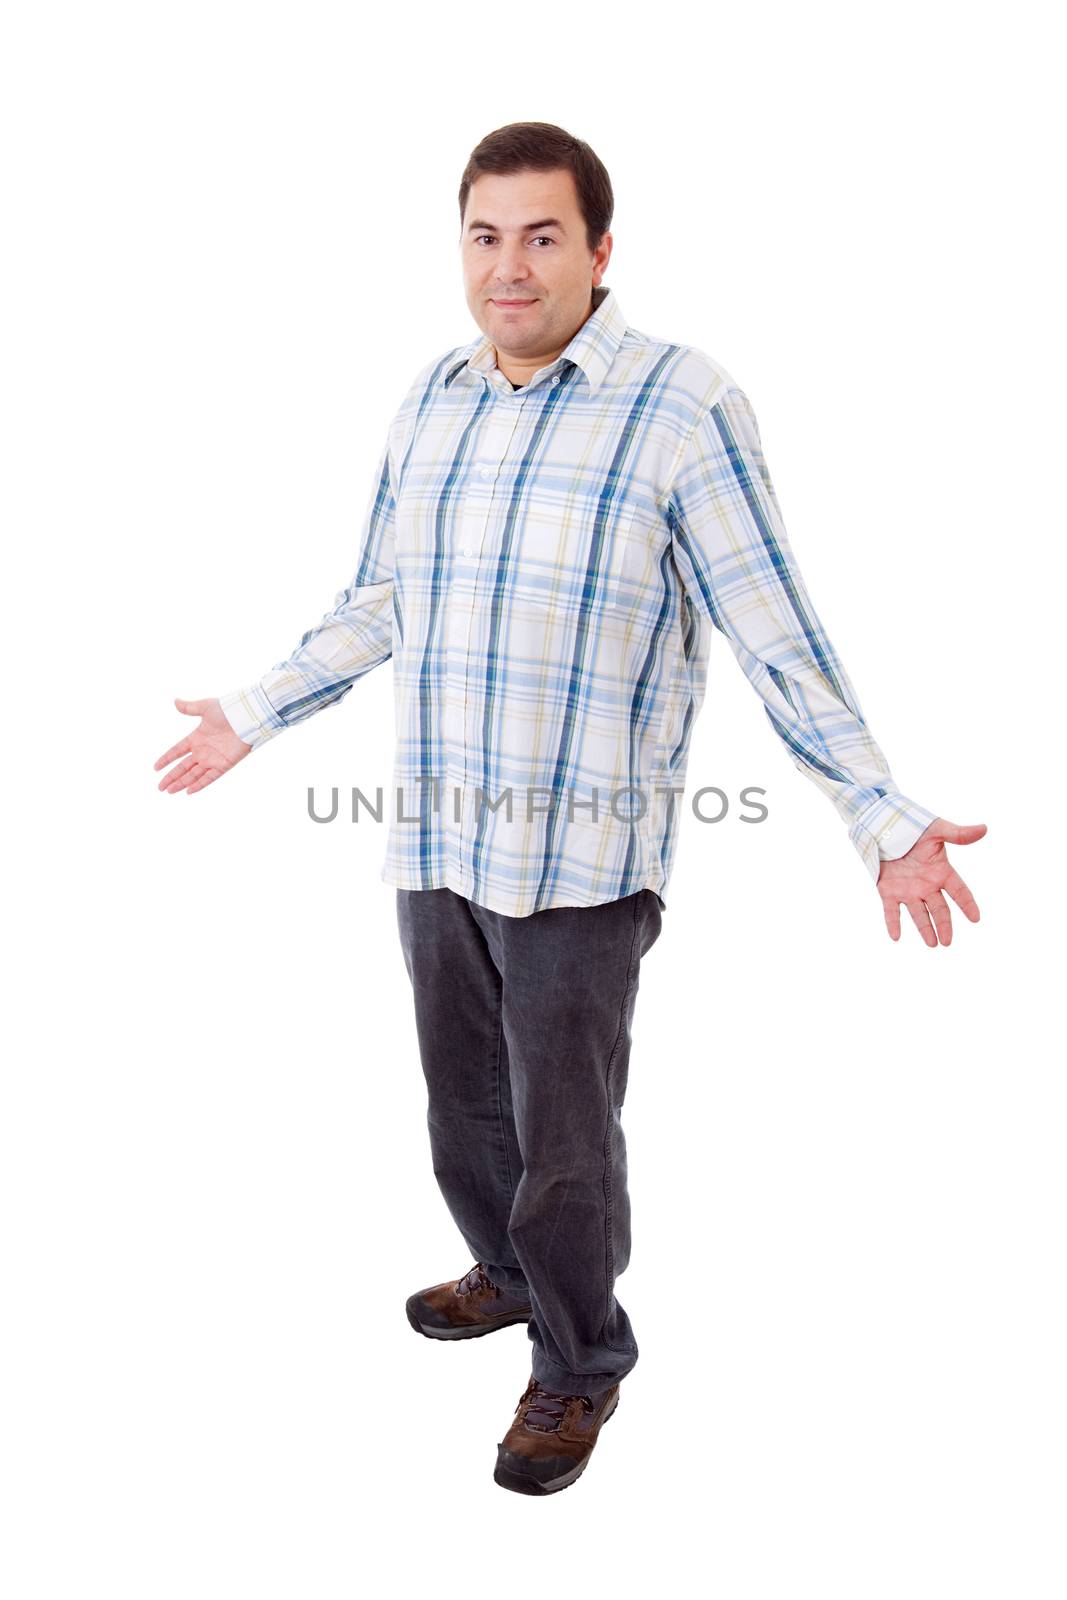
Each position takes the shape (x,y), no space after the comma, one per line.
(231,240)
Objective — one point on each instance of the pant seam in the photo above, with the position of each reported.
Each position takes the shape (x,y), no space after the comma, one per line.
(609,1210)
(499,1101)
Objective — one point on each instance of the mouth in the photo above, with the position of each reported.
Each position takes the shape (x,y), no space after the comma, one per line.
(513,305)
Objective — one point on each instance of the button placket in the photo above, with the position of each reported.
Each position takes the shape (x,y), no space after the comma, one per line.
(476,519)
(490,454)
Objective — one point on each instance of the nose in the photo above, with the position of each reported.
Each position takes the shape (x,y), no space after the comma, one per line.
(511,270)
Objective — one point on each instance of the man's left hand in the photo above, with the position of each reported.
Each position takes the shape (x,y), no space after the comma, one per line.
(923,877)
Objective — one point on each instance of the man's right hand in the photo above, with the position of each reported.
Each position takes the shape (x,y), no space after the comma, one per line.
(210,750)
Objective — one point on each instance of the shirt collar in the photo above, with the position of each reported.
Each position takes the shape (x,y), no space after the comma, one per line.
(592,348)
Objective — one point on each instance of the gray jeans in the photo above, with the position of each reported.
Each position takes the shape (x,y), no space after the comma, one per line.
(523,1026)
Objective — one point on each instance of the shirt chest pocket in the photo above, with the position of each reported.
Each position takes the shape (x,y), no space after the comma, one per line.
(597,560)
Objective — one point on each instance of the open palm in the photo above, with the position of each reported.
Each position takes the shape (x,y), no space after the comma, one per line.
(209,751)
(923,876)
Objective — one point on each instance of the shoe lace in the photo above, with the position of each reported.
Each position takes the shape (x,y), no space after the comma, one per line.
(476,1278)
(534,1398)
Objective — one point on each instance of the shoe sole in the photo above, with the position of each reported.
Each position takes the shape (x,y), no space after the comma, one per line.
(523,1484)
(473,1332)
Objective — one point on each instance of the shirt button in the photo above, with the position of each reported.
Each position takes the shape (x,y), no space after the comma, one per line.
(555,381)
(466,549)
(485,472)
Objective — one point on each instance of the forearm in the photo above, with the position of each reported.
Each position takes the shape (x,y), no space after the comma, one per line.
(737,566)
(347,643)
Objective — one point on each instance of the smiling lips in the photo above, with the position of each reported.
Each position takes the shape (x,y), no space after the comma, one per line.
(511,305)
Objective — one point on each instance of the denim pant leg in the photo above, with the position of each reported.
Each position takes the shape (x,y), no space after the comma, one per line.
(473,1143)
(570,979)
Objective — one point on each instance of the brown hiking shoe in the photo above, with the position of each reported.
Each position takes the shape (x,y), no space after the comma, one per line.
(466,1308)
(551,1438)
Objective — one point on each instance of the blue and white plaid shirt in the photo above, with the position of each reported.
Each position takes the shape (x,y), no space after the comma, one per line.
(542,564)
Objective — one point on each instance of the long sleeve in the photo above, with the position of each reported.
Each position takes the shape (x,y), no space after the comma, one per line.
(733,556)
(349,640)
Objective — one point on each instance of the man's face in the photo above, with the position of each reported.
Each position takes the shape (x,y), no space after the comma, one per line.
(524,240)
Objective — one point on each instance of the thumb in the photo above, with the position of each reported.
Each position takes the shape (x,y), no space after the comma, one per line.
(191,708)
(955,832)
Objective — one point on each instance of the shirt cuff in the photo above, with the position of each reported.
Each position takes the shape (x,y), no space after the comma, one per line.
(251,715)
(888,829)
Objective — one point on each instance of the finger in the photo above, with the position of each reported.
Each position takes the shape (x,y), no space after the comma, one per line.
(921,918)
(190,708)
(195,771)
(892,917)
(955,832)
(938,909)
(955,886)
(174,778)
(182,748)
(209,776)
(183,777)
(179,776)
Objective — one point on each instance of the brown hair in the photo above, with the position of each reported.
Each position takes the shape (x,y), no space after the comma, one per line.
(542,147)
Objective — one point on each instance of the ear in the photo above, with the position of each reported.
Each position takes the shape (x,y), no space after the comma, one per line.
(601,257)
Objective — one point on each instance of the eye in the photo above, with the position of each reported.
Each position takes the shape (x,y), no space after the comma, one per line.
(546,237)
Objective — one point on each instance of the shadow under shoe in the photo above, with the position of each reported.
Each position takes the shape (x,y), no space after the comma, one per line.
(551,1438)
(465,1308)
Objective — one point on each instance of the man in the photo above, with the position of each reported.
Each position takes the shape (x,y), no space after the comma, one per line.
(562,507)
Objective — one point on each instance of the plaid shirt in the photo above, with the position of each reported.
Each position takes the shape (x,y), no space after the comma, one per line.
(542,564)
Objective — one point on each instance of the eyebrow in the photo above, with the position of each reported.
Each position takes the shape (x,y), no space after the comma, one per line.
(546,222)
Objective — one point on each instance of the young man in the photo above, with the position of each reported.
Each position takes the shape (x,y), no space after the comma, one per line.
(564,508)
